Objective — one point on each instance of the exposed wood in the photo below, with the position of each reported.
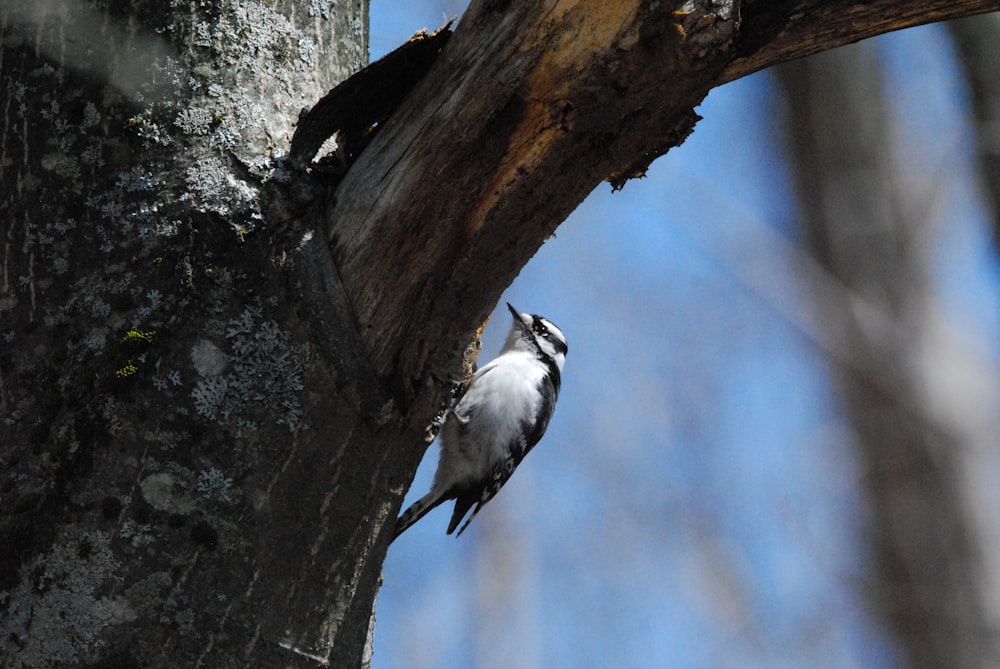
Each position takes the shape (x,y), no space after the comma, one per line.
(527,110)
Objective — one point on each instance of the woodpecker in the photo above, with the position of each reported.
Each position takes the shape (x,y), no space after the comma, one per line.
(502,415)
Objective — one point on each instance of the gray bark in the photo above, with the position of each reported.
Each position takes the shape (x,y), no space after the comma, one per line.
(177,387)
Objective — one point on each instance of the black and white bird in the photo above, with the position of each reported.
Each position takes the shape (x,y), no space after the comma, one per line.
(502,415)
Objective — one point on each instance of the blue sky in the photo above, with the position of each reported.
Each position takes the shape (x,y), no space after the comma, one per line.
(695,502)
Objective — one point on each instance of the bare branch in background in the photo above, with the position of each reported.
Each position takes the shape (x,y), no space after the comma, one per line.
(978,42)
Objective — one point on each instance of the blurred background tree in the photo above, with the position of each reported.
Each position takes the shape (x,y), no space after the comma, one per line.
(778,443)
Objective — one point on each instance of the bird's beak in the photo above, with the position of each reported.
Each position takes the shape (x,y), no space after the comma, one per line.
(514,312)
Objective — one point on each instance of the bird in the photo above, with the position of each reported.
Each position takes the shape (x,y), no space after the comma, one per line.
(503,413)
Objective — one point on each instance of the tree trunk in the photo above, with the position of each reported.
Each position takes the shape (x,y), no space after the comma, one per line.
(218,371)
(189,438)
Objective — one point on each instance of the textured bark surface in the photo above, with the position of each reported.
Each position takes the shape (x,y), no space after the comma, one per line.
(218,372)
(529,107)
(187,435)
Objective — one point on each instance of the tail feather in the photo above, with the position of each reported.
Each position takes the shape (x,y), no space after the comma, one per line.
(417,511)
(462,505)
(468,520)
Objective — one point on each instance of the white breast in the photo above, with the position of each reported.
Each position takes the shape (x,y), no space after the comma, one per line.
(501,397)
